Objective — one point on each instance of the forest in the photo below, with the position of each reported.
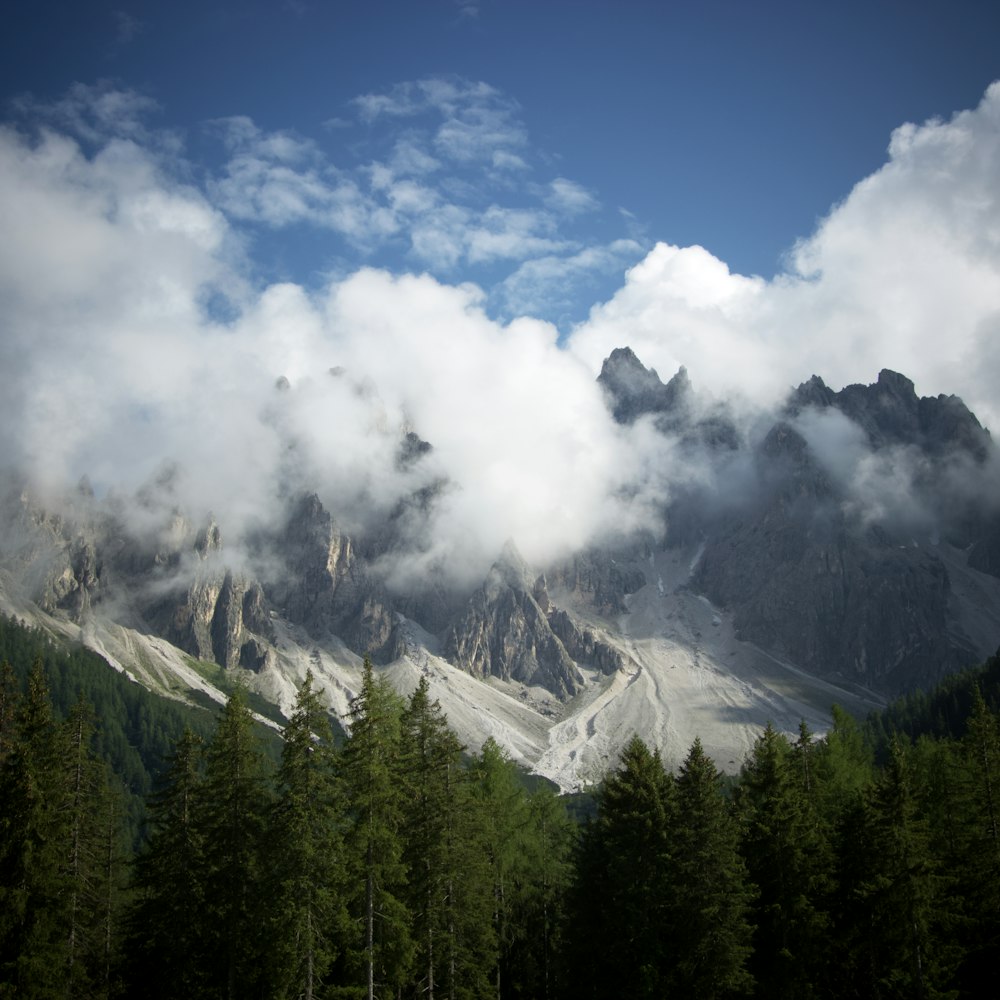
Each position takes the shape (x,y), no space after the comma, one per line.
(148,850)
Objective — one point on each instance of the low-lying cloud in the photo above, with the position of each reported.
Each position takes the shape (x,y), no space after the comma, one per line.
(119,360)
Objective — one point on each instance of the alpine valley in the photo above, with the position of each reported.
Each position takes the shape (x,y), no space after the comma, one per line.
(844,548)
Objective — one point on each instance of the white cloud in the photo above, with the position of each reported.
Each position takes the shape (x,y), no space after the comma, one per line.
(904,274)
(96,113)
(569,197)
(504,160)
(114,366)
(550,285)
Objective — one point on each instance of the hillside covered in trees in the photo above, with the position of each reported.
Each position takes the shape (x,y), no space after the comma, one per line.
(390,864)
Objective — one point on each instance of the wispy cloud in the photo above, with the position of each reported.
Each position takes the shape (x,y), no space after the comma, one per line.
(569,197)
(127,27)
(96,113)
(550,285)
(444,171)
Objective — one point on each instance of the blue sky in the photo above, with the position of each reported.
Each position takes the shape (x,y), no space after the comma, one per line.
(467,206)
(732,125)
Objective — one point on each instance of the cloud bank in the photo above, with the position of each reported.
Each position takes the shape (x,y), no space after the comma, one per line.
(135,338)
(903,274)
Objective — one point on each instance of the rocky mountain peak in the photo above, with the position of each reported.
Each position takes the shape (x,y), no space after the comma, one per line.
(634,390)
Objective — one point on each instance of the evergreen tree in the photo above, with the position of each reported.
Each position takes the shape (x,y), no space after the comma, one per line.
(32,835)
(448,888)
(901,894)
(232,820)
(8,708)
(168,932)
(307,873)
(709,894)
(503,818)
(91,863)
(549,842)
(620,894)
(843,767)
(788,864)
(978,868)
(373,781)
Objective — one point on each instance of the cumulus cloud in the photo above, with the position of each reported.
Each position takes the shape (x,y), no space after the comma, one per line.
(903,274)
(118,366)
(117,369)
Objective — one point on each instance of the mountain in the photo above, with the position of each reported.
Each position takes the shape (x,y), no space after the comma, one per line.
(842,549)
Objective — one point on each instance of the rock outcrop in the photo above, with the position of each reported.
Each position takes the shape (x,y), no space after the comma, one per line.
(504,632)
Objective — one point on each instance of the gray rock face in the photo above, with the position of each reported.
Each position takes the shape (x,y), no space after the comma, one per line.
(633,390)
(600,576)
(584,646)
(821,587)
(504,632)
(326,586)
(807,573)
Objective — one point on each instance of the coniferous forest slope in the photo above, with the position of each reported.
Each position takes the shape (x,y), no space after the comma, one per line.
(390,865)
(748,566)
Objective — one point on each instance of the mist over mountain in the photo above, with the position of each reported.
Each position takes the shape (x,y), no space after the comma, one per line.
(703,569)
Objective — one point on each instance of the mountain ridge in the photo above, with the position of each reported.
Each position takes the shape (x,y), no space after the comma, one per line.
(778,582)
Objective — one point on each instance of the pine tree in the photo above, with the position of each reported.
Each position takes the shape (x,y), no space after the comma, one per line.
(373,782)
(843,766)
(306,846)
(549,842)
(8,708)
(901,892)
(710,898)
(89,870)
(978,871)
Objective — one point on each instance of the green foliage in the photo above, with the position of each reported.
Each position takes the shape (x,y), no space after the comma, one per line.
(306,914)
(709,889)
(233,812)
(788,864)
(383,950)
(395,866)
(941,713)
(447,890)
(623,861)
(166,932)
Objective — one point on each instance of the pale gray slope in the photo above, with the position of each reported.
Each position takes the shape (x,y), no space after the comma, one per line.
(686,676)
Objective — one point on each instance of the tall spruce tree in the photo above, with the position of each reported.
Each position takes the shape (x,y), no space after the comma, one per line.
(448,888)
(789,865)
(307,912)
(620,893)
(232,820)
(32,838)
(374,782)
(503,818)
(978,871)
(903,890)
(167,929)
(549,839)
(91,867)
(708,889)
